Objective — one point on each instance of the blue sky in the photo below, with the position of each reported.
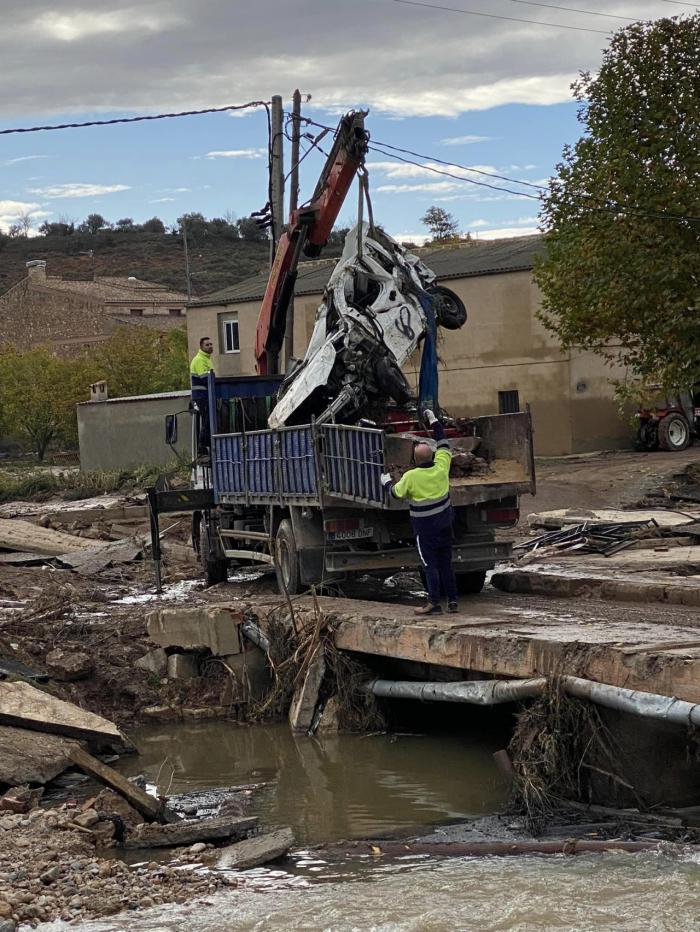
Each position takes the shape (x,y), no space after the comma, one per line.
(474,91)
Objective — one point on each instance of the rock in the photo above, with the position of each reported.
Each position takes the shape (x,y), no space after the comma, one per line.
(162,713)
(69,665)
(197,848)
(155,661)
(183,666)
(87,819)
(189,832)
(196,628)
(329,724)
(21,798)
(255,851)
(303,706)
(7,925)
(50,875)
(5,910)
(111,804)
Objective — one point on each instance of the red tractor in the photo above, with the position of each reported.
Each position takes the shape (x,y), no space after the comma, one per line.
(671,425)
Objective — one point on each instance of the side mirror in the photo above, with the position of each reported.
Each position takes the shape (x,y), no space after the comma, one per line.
(171,429)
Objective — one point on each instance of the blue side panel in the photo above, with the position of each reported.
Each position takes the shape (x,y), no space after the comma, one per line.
(297,461)
(227,463)
(354,461)
(260,463)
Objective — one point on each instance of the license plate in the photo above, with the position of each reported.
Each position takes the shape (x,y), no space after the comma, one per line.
(356,534)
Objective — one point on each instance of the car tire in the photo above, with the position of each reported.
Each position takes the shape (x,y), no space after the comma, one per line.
(450,311)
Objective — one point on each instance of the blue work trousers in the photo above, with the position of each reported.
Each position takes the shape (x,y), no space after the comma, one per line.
(435,551)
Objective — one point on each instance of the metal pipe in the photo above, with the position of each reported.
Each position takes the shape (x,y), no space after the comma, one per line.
(251,631)
(477,692)
(648,705)
(494,692)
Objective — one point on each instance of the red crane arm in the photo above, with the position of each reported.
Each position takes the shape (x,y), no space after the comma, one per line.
(308,232)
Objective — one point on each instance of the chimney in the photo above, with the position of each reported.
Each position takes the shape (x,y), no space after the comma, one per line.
(36,270)
(98,391)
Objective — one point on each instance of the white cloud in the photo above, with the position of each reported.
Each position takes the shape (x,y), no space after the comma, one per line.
(79,190)
(24,158)
(161,200)
(507,232)
(84,23)
(519,222)
(258,153)
(11,211)
(464,140)
(437,187)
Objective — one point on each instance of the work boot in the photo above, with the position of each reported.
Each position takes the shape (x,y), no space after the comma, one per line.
(453,607)
(428,609)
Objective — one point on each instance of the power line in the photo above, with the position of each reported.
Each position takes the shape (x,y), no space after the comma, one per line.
(510,19)
(572,9)
(680,3)
(136,119)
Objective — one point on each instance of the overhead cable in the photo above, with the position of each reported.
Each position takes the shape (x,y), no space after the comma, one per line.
(136,119)
(572,9)
(510,19)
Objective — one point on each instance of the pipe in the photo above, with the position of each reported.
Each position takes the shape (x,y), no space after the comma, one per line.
(477,692)
(494,692)
(255,635)
(648,705)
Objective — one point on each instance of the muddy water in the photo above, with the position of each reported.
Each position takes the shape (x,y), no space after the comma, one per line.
(347,786)
(627,893)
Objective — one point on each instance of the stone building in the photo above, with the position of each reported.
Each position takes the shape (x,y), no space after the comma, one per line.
(502,359)
(70,315)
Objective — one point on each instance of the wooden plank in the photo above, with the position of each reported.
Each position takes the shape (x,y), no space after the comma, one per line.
(26,537)
(26,757)
(151,808)
(189,832)
(24,706)
(255,851)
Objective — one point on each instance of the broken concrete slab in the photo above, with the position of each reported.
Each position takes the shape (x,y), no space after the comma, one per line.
(251,673)
(155,661)
(69,665)
(183,666)
(25,706)
(26,757)
(190,831)
(23,536)
(564,516)
(330,722)
(256,851)
(153,809)
(90,561)
(212,627)
(301,712)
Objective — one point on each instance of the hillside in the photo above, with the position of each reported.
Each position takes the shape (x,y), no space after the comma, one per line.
(215,260)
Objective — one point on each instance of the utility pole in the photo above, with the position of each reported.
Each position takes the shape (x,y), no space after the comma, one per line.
(277,170)
(187,260)
(293,204)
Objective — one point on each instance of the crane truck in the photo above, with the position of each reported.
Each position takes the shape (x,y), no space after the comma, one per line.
(292,479)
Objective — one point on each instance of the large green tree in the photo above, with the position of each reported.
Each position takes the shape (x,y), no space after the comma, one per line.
(621,273)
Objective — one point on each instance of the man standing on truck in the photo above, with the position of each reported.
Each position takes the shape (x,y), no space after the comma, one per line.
(427,488)
(200,367)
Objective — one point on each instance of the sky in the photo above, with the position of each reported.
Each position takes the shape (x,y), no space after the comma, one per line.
(488,92)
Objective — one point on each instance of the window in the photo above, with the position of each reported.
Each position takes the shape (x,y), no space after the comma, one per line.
(175,312)
(136,312)
(230,332)
(508,402)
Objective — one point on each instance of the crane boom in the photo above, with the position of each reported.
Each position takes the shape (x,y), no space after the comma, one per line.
(308,232)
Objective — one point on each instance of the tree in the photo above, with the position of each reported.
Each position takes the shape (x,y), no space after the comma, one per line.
(125,225)
(57,228)
(93,223)
(249,230)
(443,226)
(139,361)
(154,225)
(621,270)
(22,225)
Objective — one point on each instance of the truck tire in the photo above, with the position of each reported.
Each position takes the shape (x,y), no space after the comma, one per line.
(471,583)
(215,569)
(674,433)
(287,559)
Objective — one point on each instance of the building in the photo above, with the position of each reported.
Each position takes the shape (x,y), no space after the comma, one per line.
(502,359)
(123,433)
(69,315)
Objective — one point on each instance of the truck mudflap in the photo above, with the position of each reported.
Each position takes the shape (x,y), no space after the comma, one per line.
(466,557)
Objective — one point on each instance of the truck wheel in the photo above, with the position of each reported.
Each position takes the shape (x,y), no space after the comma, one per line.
(215,570)
(647,436)
(287,559)
(470,583)
(674,433)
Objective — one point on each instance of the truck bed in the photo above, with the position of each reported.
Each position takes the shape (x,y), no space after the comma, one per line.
(332,464)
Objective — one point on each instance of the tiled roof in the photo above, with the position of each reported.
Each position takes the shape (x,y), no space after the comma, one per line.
(486,258)
(106,288)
